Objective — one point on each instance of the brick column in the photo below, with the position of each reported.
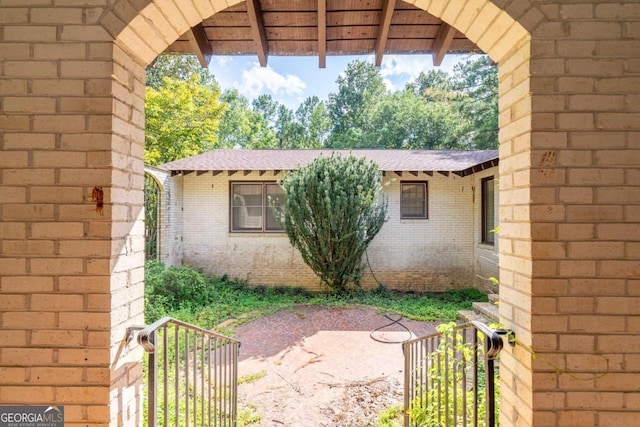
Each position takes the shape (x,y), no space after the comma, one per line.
(71,114)
(570,220)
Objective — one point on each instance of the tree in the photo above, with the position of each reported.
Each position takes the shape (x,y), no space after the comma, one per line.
(434,85)
(313,117)
(265,105)
(241,126)
(409,121)
(477,81)
(332,212)
(180,67)
(289,132)
(182,119)
(359,89)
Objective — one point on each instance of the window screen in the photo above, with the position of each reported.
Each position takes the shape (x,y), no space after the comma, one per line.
(413,200)
(256,206)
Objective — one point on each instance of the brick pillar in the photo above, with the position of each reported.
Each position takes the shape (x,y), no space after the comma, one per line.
(570,219)
(71,114)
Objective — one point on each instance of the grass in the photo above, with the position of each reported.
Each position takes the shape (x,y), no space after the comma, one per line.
(393,416)
(251,378)
(248,416)
(211,302)
(188,295)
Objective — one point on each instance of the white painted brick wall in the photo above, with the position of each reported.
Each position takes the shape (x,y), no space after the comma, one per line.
(171,222)
(436,254)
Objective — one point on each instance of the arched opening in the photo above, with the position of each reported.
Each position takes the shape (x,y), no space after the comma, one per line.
(494,30)
(72,109)
(152,205)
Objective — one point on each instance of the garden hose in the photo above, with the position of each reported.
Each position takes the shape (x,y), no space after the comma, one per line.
(393,322)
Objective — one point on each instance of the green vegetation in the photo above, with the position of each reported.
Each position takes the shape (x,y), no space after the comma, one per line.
(187,113)
(248,416)
(393,416)
(182,119)
(333,210)
(251,378)
(442,402)
(186,294)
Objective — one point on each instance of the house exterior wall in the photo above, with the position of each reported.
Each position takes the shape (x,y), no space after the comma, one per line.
(434,254)
(170,216)
(263,258)
(485,255)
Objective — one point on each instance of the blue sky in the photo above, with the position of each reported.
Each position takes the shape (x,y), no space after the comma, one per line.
(290,80)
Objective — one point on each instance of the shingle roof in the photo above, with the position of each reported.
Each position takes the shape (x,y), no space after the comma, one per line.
(459,162)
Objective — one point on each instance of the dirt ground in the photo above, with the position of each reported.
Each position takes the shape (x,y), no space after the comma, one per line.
(320,367)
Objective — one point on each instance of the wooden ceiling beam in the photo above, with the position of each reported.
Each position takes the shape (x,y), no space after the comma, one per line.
(256,21)
(442,43)
(322,33)
(200,45)
(383,34)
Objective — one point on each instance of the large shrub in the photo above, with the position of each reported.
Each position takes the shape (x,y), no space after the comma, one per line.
(333,211)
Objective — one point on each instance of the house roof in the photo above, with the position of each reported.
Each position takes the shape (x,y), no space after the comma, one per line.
(233,160)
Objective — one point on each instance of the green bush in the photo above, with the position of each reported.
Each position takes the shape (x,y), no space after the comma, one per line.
(333,210)
(206,301)
(184,292)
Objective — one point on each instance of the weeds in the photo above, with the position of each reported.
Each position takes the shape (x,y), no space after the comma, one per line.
(208,301)
(251,378)
(392,416)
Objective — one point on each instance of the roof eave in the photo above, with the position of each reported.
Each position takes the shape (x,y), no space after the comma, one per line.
(462,173)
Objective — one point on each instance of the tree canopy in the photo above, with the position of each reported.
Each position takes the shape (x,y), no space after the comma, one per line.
(182,119)
(187,114)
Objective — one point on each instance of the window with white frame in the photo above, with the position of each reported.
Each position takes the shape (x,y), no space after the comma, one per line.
(256,207)
(488,210)
(413,200)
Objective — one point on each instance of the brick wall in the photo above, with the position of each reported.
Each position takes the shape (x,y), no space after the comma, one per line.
(170,216)
(570,260)
(71,111)
(71,106)
(435,254)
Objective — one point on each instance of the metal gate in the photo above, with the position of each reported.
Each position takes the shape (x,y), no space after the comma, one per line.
(192,375)
(451,377)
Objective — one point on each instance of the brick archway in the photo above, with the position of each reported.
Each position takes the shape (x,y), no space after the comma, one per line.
(71,115)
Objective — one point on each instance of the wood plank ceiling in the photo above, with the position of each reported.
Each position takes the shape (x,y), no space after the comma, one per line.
(322,27)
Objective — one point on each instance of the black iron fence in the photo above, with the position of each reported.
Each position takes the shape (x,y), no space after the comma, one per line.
(452,377)
(192,375)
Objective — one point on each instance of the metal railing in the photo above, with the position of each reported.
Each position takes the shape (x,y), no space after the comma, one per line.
(192,375)
(451,377)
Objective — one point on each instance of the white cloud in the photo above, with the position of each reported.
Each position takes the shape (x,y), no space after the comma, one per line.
(221,61)
(258,80)
(409,67)
(389,85)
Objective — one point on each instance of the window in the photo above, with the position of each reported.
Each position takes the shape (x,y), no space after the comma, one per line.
(488,210)
(413,200)
(256,206)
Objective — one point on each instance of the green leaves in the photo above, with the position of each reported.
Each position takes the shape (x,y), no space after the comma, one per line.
(333,211)
(435,111)
(186,115)
(182,119)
